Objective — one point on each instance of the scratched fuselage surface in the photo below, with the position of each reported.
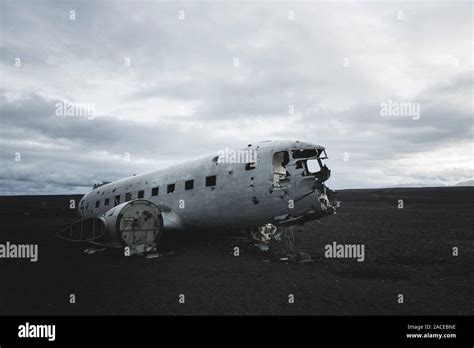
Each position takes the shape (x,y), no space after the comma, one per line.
(241,197)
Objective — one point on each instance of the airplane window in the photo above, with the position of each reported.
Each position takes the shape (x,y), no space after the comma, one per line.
(170,188)
(304,153)
(117,200)
(141,194)
(313,166)
(106,202)
(249,166)
(128,196)
(211,180)
(97,204)
(189,185)
(154,191)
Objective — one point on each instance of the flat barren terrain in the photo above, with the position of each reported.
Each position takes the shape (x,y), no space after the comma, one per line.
(408,251)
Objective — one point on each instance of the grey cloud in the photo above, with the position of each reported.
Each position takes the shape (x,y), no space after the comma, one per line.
(282,63)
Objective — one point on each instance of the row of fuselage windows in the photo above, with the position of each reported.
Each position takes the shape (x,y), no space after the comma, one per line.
(188,185)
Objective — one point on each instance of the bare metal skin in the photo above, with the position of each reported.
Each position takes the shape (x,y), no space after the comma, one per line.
(244,195)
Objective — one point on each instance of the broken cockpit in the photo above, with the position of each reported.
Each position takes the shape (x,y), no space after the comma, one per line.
(311,161)
(308,162)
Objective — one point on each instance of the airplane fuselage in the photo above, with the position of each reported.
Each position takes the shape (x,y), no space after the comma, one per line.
(272,184)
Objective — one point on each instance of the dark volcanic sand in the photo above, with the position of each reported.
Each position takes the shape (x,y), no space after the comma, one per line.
(407,251)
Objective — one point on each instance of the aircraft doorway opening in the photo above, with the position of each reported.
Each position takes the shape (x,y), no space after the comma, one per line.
(280,174)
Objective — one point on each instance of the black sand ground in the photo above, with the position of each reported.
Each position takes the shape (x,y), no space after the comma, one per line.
(408,251)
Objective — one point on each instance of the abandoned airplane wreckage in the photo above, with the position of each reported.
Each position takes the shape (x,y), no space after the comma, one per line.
(260,191)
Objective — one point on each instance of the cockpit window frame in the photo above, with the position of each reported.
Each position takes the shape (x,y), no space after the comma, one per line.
(309,153)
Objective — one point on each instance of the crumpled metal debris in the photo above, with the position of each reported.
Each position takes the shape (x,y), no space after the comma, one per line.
(278,244)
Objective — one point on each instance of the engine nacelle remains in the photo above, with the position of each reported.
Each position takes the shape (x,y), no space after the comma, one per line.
(135,224)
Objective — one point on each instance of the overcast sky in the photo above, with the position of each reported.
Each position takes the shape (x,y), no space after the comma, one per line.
(172,81)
